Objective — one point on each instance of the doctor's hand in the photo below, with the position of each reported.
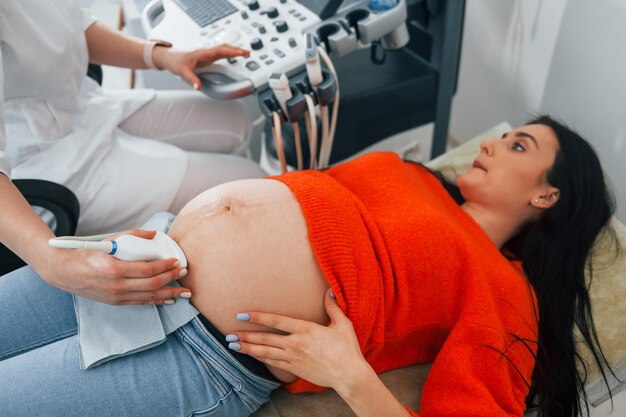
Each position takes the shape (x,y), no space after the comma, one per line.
(104,278)
(184,63)
(326,356)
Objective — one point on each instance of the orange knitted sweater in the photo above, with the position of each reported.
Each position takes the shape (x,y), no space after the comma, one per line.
(421,283)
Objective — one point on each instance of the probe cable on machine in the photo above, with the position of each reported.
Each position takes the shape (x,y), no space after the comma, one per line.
(278,141)
(311,130)
(327,144)
(279,83)
(314,73)
(296,134)
(323,163)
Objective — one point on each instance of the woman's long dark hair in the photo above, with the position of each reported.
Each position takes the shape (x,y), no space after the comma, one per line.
(554,251)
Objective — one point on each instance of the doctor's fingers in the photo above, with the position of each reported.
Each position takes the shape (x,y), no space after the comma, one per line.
(202,58)
(143,269)
(165,295)
(150,284)
(208,56)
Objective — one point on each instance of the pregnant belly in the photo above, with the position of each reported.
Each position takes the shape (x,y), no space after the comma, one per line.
(247,248)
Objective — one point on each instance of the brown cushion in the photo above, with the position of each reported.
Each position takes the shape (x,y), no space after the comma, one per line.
(405,383)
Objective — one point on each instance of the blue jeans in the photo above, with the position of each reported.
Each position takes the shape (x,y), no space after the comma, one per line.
(190,374)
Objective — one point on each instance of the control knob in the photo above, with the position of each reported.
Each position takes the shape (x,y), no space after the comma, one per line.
(281,26)
(256,44)
(272,12)
(253,5)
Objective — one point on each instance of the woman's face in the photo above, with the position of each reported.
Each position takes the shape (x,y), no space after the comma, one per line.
(510,172)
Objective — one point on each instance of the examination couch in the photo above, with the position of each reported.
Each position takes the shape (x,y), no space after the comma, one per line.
(608,292)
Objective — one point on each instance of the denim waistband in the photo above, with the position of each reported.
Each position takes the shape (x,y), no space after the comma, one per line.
(256,388)
(254,365)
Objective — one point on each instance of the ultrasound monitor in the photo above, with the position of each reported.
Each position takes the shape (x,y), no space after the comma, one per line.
(323,8)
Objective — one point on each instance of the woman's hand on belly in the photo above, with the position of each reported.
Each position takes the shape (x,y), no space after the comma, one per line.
(326,356)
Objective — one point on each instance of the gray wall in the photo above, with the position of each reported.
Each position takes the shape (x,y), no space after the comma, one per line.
(587,82)
(563,57)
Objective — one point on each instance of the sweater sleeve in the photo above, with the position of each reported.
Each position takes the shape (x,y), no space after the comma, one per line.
(5,162)
(478,372)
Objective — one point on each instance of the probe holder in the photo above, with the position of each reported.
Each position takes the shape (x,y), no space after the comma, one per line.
(296,106)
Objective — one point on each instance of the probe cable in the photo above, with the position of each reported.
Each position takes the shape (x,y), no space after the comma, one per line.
(311,130)
(296,138)
(278,141)
(323,162)
(333,123)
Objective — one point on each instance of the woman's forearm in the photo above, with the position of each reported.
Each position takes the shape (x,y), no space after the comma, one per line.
(367,396)
(111,47)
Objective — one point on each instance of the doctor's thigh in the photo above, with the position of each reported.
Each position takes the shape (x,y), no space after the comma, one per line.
(214,133)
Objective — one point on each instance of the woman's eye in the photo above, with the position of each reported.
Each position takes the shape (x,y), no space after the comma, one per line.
(517,146)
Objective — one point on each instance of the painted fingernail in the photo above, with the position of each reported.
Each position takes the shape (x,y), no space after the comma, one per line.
(182,272)
(234,346)
(176,264)
(243,317)
(185,294)
(169,302)
(232,338)
(332,294)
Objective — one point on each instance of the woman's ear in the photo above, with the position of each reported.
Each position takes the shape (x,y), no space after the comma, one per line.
(546,200)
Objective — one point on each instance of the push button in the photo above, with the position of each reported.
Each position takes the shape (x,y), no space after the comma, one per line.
(227,36)
(253,65)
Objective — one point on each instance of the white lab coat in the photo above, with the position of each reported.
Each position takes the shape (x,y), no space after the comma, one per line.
(57,124)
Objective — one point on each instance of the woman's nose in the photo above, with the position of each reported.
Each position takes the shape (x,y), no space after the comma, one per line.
(486,146)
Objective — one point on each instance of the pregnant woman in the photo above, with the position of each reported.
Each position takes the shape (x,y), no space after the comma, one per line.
(485,281)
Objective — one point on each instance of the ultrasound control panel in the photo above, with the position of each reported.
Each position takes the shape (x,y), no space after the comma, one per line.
(271,29)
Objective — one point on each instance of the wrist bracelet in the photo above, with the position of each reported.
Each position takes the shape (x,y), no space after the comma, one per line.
(148,49)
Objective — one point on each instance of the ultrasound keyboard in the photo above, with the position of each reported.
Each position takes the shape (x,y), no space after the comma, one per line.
(205,12)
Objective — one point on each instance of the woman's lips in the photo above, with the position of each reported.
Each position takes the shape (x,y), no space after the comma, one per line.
(478,165)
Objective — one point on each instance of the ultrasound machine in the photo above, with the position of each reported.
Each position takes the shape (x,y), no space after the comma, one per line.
(302,49)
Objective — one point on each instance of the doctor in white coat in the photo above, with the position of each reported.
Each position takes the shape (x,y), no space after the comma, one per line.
(125,154)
